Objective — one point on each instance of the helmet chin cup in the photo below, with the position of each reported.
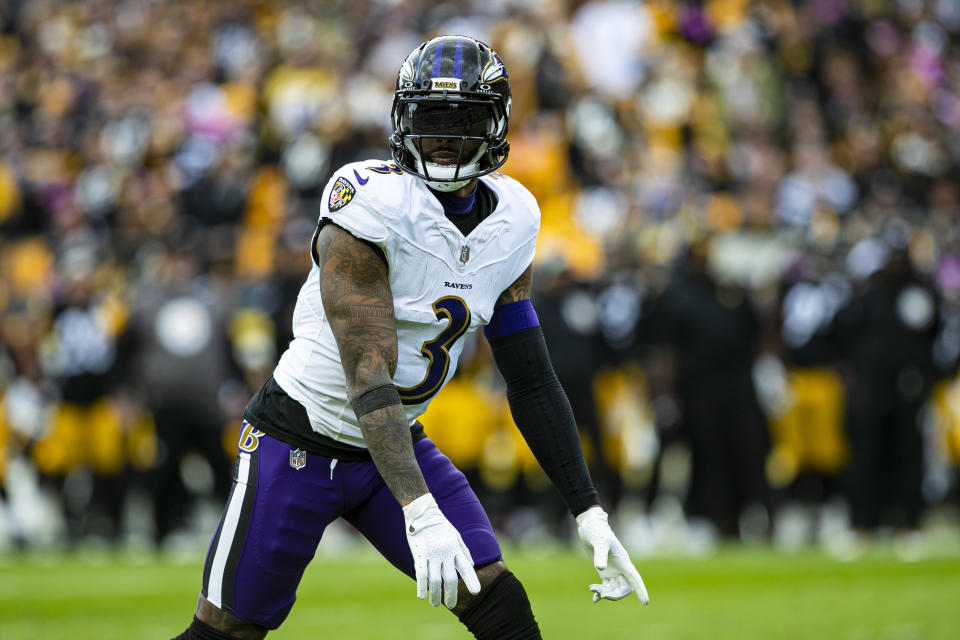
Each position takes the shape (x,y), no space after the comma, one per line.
(447,187)
(446,177)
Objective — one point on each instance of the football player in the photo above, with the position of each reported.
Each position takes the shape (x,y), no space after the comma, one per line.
(409,258)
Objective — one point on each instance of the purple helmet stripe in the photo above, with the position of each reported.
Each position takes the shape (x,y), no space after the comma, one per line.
(437,60)
(458,60)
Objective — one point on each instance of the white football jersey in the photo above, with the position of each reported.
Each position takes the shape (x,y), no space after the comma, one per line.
(444,286)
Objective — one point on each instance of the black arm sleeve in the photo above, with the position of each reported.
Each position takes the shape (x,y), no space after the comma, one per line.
(543,414)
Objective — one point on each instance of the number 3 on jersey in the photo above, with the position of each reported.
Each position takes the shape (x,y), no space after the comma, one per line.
(437,351)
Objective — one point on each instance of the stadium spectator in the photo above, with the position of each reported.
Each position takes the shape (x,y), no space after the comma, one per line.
(806,415)
(710,331)
(179,363)
(404,267)
(86,435)
(568,313)
(886,336)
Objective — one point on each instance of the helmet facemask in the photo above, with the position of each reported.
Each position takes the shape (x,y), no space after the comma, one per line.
(467,134)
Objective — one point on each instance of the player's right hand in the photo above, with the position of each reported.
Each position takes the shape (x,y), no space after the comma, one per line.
(439,553)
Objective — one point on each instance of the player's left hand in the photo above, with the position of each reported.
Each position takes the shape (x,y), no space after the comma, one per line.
(619,576)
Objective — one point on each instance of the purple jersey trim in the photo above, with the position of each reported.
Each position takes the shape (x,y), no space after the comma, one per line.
(510,318)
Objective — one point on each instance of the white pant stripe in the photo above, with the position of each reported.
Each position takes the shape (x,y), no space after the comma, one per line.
(227,533)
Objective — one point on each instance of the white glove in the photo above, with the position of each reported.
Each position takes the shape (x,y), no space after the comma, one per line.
(613,564)
(438,552)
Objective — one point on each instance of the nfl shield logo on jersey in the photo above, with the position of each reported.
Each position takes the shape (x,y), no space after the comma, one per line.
(298,459)
(464,254)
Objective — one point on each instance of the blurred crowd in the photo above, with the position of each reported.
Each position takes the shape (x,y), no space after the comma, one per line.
(748,271)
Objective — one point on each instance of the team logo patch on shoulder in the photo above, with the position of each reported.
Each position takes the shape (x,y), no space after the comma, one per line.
(341,194)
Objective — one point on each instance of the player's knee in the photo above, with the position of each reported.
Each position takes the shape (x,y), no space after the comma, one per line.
(212,623)
(200,630)
(501,611)
(486,574)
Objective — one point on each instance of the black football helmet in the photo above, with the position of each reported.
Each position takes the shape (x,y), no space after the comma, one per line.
(455,89)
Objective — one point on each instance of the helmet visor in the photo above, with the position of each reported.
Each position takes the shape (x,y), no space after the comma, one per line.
(437,118)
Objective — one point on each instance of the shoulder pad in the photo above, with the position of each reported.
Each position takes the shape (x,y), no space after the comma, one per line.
(513,194)
(353,200)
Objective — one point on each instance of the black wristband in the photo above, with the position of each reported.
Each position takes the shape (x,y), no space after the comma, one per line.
(384,395)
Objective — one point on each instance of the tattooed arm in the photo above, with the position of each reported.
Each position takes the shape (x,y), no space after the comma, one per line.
(359,305)
(519,290)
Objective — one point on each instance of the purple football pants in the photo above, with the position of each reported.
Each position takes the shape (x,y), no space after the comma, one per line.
(276,514)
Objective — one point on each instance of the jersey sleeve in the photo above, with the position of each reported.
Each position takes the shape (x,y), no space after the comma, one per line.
(528,217)
(350,203)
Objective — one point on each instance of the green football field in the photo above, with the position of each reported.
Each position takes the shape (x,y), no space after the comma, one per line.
(736,593)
